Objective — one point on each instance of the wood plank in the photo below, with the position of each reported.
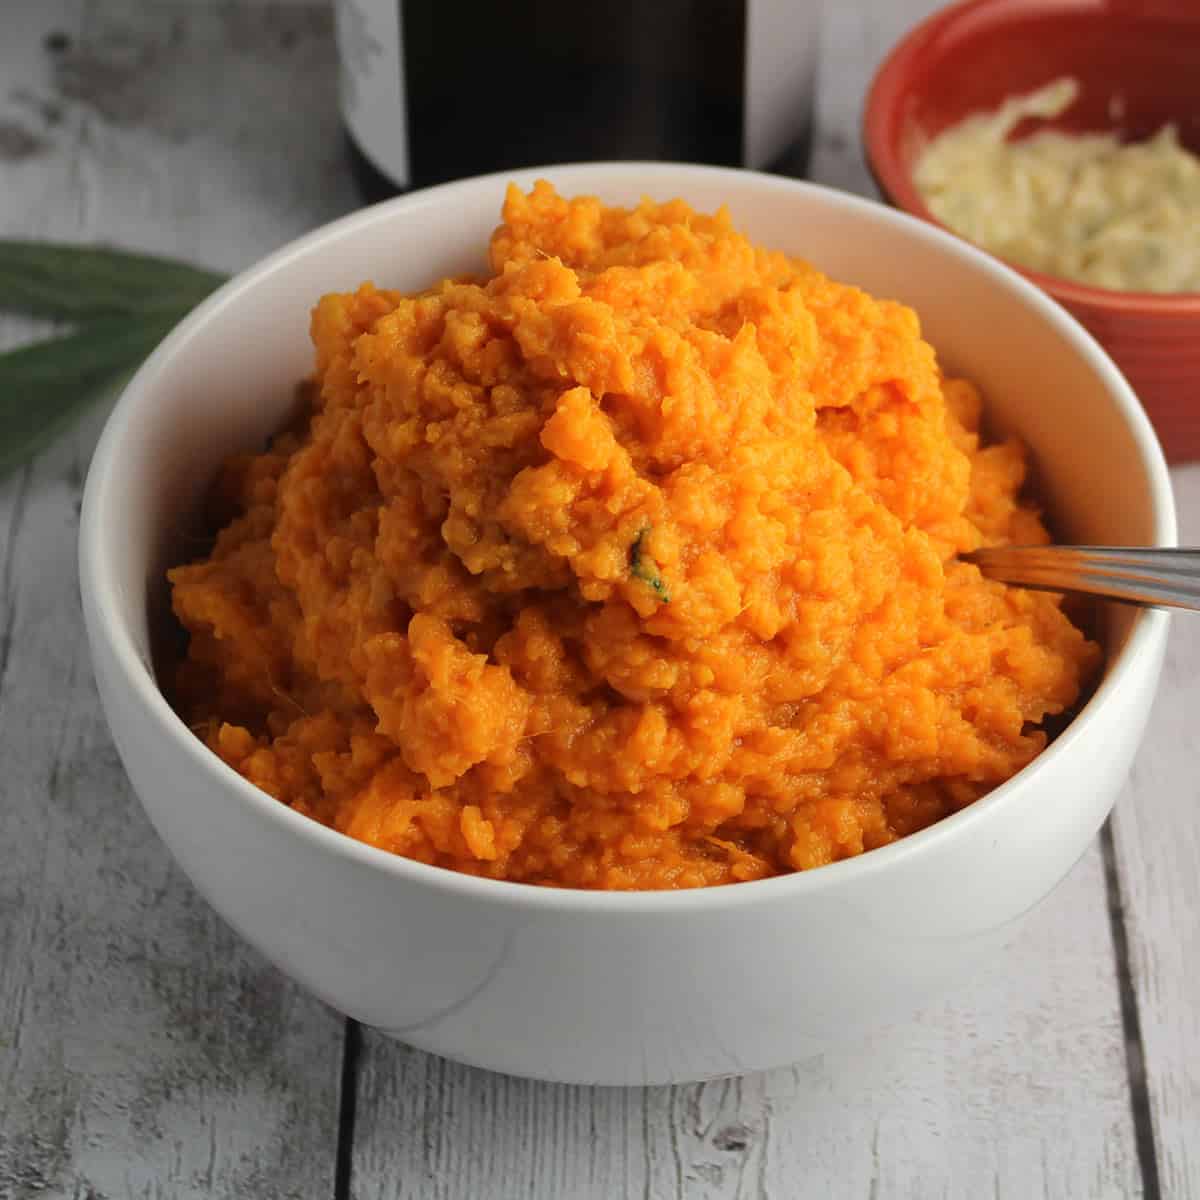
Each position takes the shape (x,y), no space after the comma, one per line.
(1157,840)
(144,1051)
(178,163)
(1014,1086)
(855,38)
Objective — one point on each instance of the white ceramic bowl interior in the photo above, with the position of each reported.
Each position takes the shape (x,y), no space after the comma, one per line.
(592,987)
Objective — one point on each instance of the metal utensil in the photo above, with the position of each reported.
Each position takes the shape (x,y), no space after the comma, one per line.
(1127,573)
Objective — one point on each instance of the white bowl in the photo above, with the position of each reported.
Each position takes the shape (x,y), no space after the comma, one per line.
(630,988)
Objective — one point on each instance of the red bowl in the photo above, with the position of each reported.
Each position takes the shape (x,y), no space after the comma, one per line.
(1140,58)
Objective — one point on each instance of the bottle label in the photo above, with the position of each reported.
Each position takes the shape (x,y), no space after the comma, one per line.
(371,81)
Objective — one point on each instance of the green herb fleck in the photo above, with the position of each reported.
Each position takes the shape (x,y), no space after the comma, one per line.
(643,567)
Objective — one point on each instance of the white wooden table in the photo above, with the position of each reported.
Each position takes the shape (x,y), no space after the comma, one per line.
(146,1052)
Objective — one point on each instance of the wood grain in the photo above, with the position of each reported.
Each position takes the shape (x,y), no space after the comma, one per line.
(1013,1087)
(144,1051)
(1157,837)
(855,38)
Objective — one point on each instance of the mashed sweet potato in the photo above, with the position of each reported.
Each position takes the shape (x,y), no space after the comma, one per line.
(629,566)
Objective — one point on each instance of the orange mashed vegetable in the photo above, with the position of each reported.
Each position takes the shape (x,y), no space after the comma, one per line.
(632,565)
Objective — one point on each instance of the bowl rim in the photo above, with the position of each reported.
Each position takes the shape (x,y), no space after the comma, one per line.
(102,605)
(884,96)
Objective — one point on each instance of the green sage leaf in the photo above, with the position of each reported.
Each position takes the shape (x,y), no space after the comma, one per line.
(77,283)
(44,387)
(643,567)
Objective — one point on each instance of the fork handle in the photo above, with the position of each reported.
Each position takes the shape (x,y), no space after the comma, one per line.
(1157,575)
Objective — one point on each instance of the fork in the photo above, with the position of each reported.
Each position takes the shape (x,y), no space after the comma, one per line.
(1157,575)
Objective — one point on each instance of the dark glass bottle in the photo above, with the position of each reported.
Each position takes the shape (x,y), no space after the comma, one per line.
(433,90)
